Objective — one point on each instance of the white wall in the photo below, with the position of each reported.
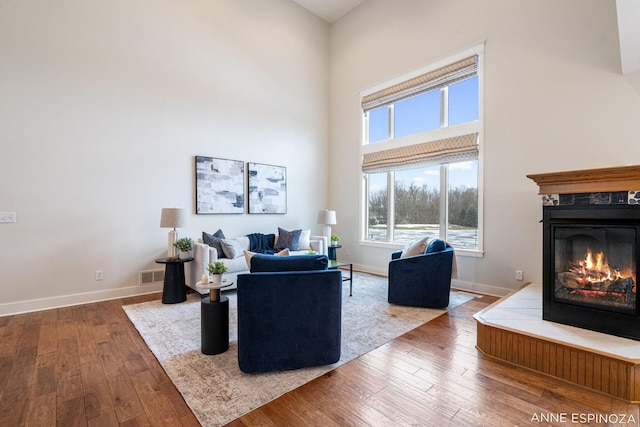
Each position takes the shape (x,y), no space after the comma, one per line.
(555,99)
(103,107)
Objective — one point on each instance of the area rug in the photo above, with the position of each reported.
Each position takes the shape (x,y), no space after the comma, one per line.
(214,387)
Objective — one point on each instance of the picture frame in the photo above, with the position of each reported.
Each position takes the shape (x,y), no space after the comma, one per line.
(220,186)
(267,188)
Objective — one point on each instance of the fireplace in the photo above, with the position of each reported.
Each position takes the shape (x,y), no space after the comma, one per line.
(590,258)
(591,250)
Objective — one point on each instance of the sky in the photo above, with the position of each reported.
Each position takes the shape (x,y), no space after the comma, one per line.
(420,114)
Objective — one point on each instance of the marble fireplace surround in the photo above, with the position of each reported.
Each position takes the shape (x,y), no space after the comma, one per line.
(513,330)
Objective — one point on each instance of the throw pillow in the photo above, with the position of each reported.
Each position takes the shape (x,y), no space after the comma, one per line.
(232,248)
(215,241)
(436,245)
(289,239)
(248,255)
(304,244)
(415,248)
(270,263)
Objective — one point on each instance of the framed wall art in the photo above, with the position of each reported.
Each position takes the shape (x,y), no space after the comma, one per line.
(219,186)
(267,189)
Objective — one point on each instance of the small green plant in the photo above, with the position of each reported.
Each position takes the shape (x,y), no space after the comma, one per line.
(184,244)
(217,267)
(335,238)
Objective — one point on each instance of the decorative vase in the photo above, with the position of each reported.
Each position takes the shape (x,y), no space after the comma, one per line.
(185,254)
(216,279)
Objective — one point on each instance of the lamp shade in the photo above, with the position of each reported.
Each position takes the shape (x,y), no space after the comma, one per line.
(327,217)
(173,218)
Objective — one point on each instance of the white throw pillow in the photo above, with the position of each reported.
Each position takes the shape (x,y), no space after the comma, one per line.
(304,244)
(415,248)
(232,248)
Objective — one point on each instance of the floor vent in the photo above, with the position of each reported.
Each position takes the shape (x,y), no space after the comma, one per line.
(151,276)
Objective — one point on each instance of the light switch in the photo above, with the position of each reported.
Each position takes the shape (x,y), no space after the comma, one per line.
(7,217)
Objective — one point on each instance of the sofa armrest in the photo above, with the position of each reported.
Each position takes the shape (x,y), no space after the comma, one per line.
(203,254)
(319,244)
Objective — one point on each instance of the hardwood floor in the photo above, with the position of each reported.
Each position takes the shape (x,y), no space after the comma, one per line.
(434,376)
(87,366)
(84,366)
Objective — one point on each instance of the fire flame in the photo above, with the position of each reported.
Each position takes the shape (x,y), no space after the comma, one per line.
(597,270)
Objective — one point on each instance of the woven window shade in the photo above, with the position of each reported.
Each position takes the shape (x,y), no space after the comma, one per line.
(427,82)
(448,150)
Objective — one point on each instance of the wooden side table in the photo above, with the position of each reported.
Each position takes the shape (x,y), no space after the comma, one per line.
(174,289)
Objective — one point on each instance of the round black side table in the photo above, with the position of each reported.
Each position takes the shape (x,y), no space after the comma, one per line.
(214,327)
(175,289)
(214,318)
(332,251)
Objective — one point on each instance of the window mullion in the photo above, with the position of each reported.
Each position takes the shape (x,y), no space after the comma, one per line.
(444,107)
(391,188)
(444,169)
(444,201)
(391,207)
(392,132)
(367,213)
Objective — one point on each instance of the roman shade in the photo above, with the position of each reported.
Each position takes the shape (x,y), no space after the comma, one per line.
(454,149)
(423,83)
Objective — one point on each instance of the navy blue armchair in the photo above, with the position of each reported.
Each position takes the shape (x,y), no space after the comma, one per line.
(422,280)
(289,319)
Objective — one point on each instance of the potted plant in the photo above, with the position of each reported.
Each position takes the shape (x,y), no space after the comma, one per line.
(335,239)
(216,269)
(184,246)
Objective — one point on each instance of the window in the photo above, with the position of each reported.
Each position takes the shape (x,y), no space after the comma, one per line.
(420,155)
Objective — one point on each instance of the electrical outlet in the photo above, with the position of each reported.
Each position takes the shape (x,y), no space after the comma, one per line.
(99,275)
(7,217)
(519,275)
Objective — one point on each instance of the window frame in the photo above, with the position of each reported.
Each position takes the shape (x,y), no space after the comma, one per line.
(427,136)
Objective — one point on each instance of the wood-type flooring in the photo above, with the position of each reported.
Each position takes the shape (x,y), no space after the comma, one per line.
(88,366)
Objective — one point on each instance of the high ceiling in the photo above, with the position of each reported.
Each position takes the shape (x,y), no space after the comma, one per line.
(329,10)
(628,24)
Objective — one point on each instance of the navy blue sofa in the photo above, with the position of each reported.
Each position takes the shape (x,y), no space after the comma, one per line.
(289,313)
(422,280)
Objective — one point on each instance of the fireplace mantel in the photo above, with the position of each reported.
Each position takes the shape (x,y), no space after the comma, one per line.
(624,178)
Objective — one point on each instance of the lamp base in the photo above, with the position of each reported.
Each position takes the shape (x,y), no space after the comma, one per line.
(327,234)
(172,251)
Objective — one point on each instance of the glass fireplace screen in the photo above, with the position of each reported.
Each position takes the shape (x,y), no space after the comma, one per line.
(596,267)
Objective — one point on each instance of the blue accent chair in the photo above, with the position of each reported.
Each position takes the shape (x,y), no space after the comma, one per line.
(289,313)
(422,280)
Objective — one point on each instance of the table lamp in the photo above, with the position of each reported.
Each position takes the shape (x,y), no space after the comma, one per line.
(328,218)
(173,218)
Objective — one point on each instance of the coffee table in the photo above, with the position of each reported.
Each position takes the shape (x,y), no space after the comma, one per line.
(334,265)
(214,319)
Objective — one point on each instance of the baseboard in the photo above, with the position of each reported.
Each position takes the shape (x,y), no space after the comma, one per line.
(480,288)
(8,309)
(380,271)
(456,284)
